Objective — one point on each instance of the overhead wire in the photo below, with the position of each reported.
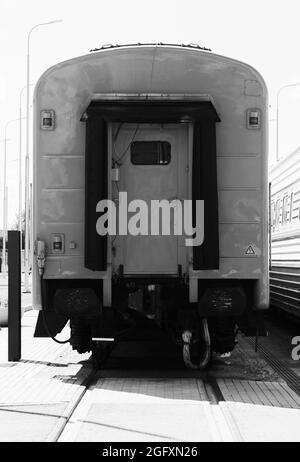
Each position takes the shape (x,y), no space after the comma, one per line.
(118,159)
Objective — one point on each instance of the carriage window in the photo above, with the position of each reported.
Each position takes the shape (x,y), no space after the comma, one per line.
(150,152)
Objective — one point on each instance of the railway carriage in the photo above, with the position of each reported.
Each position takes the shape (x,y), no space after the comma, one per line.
(285,232)
(150,197)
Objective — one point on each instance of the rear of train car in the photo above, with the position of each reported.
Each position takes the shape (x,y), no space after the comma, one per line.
(150,196)
(285,234)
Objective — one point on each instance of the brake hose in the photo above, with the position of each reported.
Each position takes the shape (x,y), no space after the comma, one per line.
(187,338)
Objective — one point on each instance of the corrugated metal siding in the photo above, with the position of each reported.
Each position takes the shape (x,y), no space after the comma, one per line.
(286,252)
(285,210)
(285,288)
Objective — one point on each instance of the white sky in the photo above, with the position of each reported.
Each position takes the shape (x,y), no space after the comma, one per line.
(263,33)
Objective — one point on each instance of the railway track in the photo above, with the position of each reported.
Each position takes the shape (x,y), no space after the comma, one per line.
(165,409)
(126,402)
(219,424)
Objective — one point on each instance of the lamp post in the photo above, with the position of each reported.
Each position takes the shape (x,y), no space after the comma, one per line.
(26,279)
(20,162)
(5,198)
(277,114)
(4,211)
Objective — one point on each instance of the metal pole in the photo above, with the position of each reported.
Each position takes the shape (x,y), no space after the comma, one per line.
(27,237)
(30,228)
(20,165)
(14,296)
(20,174)
(4,212)
(26,269)
(5,198)
(277,115)
(3,204)
(5,231)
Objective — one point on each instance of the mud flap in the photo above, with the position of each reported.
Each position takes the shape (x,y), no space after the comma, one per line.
(55,323)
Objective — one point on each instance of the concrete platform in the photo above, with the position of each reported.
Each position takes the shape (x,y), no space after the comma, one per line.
(275,394)
(39,394)
(36,392)
(145,409)
(258,423)
(179,410)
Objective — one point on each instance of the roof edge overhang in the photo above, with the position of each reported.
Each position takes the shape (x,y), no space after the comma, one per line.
(151,107)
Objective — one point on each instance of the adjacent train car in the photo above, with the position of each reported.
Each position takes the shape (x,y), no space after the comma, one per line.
(285,231)
(150,196)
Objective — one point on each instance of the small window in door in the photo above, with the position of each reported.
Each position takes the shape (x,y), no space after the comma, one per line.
(150,152)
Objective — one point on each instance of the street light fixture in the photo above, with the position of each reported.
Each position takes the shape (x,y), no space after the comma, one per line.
(277,115)
(26,279)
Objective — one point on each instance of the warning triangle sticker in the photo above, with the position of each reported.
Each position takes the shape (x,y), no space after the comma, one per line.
(250,251)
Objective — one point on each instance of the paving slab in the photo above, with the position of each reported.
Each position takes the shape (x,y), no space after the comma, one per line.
(258,423)
(141,409)
(36,392)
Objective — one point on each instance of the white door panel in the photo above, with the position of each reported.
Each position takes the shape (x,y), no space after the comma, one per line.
(151,254)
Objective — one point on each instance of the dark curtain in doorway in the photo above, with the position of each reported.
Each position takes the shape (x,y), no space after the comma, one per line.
(96,175)
(205,187)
